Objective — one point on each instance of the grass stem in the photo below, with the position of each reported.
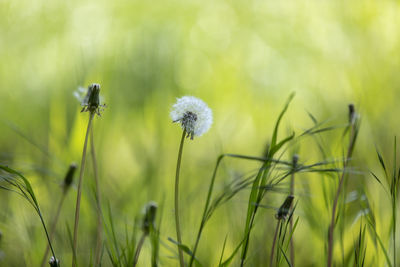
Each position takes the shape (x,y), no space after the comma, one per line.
(53,228)
(353,136)
(204,219)
(139,248)
(295,158)
(247,237)
(271,257)
(47,234)
(394,213)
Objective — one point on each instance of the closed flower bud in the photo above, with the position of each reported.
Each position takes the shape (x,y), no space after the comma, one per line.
(295,160)
(149,217)
(93,96)
(92,100)
(69,177)
(352,114)
(283,211)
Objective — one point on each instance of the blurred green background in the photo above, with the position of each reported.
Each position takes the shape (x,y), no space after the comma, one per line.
(243,58)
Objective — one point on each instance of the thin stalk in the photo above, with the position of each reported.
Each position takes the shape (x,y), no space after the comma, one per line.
(139,248)
(335,203)
(260,195)
(99,237)
(203,221)
(394,198)
(271,257)
(394,230)
(247,240)
(47,234)
(53,228)
(178,228)
(210,190)
(79,195)
(291,217)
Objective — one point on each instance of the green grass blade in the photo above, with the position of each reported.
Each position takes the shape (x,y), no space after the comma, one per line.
(276,147)
(381,161)
(184,248)
(230,258)
(389,263)
(284,255)
(223,250)
(275,133)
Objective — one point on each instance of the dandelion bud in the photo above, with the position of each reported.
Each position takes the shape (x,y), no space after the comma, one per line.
(352,114)
(283,211)
(94,96)
(295,160)
(193,114)
(92,99)
(69,177)
(54,262)
(149,217)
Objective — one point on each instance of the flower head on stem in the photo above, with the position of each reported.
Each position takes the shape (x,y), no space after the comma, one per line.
(90,99)
(149,217)
(280,215)
(195,118)
(90,103)
(193,114)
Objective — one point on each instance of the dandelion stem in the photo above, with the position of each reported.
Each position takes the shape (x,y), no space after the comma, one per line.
(350,149)
(178,230)
(98,201)
(78,198)
(139,248)
(53,228)
(271,257)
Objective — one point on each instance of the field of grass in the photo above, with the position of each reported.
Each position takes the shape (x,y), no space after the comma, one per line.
(304,99)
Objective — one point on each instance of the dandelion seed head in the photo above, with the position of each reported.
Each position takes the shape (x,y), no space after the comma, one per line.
(193,114)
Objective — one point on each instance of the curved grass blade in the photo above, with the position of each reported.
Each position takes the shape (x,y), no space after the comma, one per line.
(275,133)
(26,191)
(184,248)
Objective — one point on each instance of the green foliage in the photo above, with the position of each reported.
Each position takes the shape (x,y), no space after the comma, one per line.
(243,58)
(17,183)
